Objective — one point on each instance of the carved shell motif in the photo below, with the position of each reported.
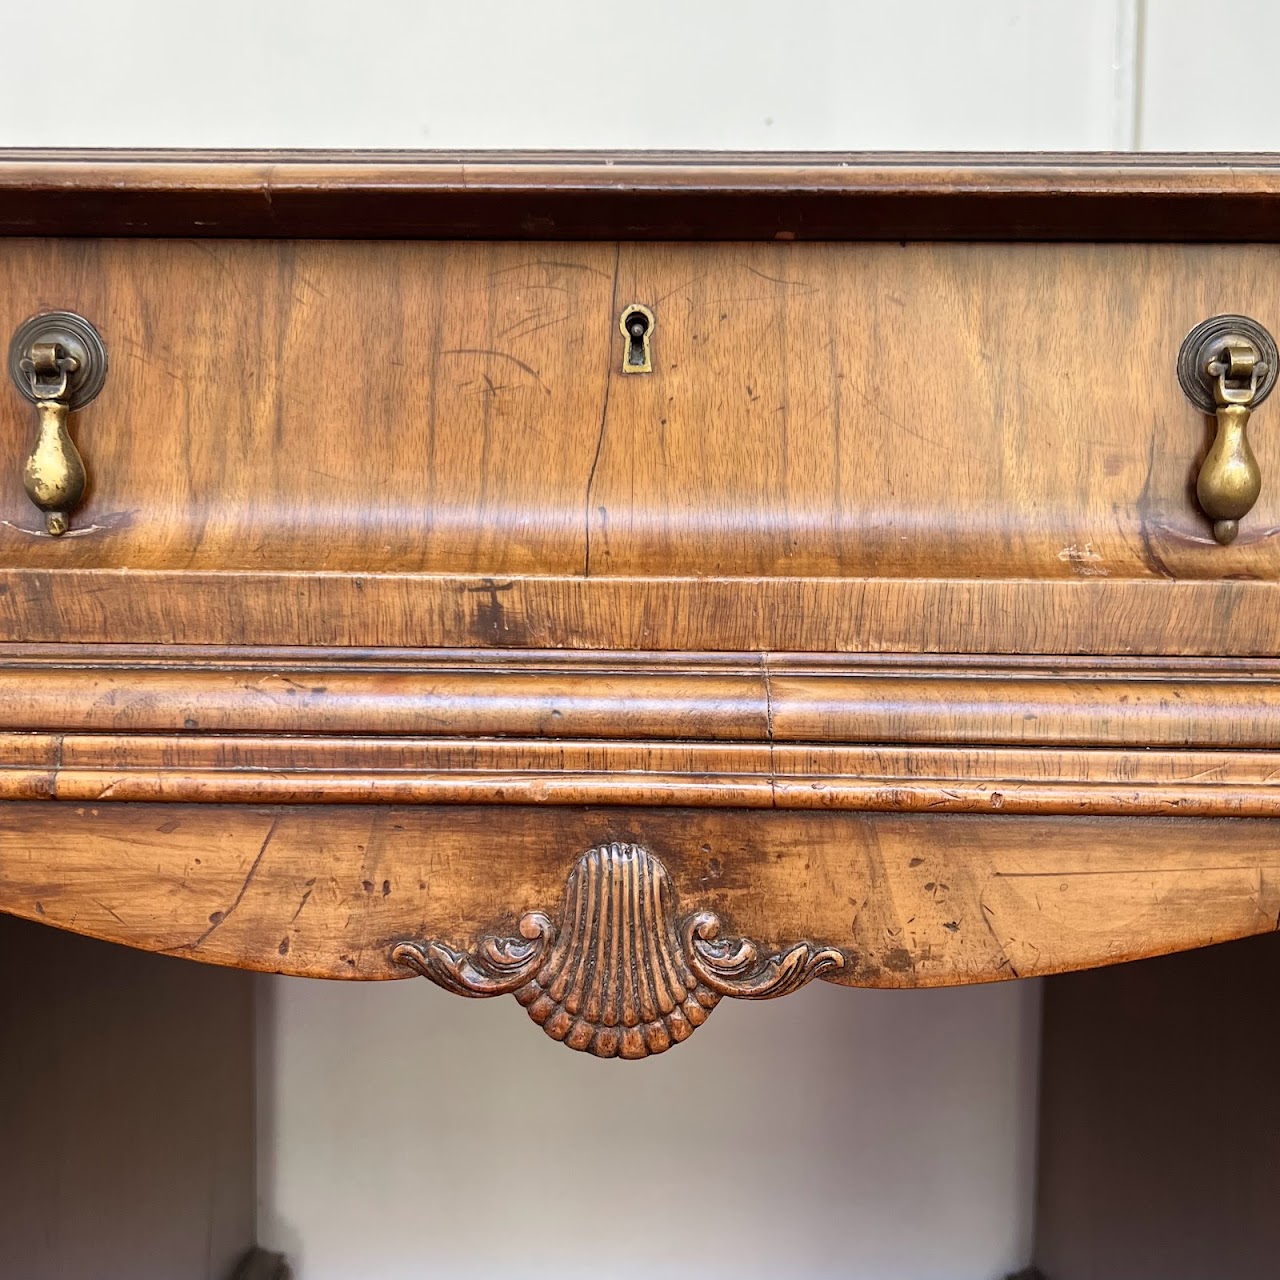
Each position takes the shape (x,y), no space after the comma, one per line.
(616,977)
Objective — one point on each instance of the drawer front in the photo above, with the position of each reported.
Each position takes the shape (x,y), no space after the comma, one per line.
(931,446)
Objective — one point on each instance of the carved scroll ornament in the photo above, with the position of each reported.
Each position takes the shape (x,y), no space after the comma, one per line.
(615,975)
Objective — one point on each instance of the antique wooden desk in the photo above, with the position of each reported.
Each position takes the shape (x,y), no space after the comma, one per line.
(630,582)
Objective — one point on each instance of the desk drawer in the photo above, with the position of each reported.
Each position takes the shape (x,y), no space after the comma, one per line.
(957,446)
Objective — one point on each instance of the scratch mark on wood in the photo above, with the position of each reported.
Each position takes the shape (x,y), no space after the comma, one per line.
(688,284)
(880,412)
(550,262)
(220,918)
(791,284)
(523,327)
(98,902)
(499,355)
(1150,555)
(984,913)
(1109,871)
(301,904)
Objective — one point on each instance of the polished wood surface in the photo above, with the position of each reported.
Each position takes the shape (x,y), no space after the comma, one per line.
(566,694)
(909,900)
(815,411)
(844,615)
(878,622)
(862,447)
(795,731)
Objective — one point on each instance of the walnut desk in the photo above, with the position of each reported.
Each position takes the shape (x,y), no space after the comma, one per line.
(630,582)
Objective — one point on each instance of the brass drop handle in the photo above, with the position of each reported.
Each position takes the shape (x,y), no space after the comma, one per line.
(1227,367)
(1230,480)
(57,361)
(54,471)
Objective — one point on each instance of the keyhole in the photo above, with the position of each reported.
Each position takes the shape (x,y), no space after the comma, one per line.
(637,327)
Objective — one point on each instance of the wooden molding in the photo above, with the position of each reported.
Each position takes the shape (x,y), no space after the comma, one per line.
(507,727)
(615,975)
(944,779)
(639,195)
(642,694)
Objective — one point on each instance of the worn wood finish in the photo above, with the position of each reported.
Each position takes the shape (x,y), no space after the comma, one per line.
(850,615)
(793,731)
(878,622)
(220,770)
(468,468)
(851,411)
(909,900)
(640,195)
(620,696)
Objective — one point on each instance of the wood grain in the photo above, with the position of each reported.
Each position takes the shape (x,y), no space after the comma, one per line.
(619,696)
(841,446)
(794,731)
(851,615)
(913,900)
(911,640)
(858,411)
(283,770)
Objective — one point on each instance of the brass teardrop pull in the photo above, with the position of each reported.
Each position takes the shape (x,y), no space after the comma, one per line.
(58,361)
(1227,367)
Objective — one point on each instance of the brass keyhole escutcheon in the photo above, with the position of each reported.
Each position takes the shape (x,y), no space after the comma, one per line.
(637,324)
(1227,367)
(58,361)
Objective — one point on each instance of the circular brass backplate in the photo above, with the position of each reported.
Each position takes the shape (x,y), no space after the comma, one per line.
(78,336)
(1204,341)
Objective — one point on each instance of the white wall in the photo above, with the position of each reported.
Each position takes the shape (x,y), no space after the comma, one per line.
(865,1135)
(1193,101)
(579,73)
(405,1133)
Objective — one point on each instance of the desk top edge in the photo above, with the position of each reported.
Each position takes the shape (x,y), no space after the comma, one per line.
(640,195)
